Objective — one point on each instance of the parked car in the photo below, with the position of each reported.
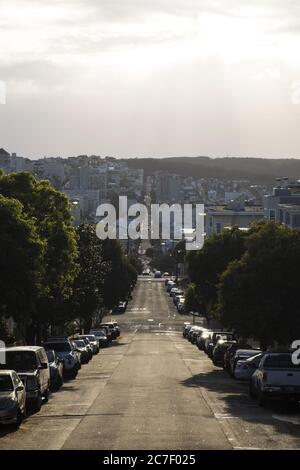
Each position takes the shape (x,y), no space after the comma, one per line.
(215,337)
(181,307)
(241,354)
(93,342)
(195,333)
(219,351)
(157,274)
(106,329)
(12,398)
(205,335)
(276,377)
(173,291)
(117,328)
(178,296)
(196,329)
(101,337)
(231,351)
(32,366)
(245,368)
(82,348)
(66,352)
(170,286)
(114,331)
(120,308)
(186,328)
(56,370)
(88,345)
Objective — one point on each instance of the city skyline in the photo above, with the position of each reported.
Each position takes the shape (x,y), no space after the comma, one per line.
(143,79)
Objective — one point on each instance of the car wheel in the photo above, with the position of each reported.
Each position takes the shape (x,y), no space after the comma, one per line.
(252,391)
(46,395)
(59,381)
(37,403)
(262,399)
(19,418)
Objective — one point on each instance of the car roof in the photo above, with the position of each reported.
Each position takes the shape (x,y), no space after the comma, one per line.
(23,348)
(246,351)
(6,372)
(254,357)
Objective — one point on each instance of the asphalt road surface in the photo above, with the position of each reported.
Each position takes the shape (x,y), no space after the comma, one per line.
(153,390)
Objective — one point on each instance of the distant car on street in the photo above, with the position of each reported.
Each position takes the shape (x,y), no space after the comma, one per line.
(120,308)
(157,274)
(93,342)
(245,368)
(66,352)
(186,329)
(239,355)
(56,370)
(219,352)
(81,347)
(231,351)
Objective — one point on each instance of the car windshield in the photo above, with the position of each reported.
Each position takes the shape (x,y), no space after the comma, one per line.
(80,343)
(59,347)
(109,326)
(90,337)
(280,361)
(6,384)
(101,333)
(21,361)
(50,355)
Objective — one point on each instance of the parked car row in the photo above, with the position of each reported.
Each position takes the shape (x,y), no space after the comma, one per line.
(176,293)
(29,373)
(121,307)
(271,374)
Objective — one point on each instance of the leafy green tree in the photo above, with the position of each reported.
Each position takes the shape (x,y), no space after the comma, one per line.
(50,212)
(193,302)
(121,276)
(136,263)
(88,288)
(258,294)
(206,266)
(21,268)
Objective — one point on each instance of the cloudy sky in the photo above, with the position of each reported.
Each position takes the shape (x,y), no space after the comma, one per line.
(150,77)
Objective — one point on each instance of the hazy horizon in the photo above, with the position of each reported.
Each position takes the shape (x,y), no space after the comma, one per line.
(150,78)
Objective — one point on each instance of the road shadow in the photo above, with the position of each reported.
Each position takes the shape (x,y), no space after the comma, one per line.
(234,394)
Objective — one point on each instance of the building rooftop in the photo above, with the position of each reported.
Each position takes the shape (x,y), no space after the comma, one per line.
(226,209)
(4,152)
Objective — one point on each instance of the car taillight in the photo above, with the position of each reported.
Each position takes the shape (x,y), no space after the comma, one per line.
(265,376)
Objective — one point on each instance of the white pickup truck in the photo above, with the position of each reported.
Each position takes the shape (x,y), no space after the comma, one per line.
(276,377)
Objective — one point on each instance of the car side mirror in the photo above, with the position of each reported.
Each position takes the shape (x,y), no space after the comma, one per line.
(19,388)
(43,365)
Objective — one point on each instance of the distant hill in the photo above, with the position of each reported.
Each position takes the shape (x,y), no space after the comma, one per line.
(256,170)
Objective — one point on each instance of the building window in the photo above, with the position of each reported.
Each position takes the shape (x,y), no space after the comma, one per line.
(272,214)
(218,227)
(287,218)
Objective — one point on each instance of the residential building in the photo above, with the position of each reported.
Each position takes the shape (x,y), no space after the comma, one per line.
(234,214)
